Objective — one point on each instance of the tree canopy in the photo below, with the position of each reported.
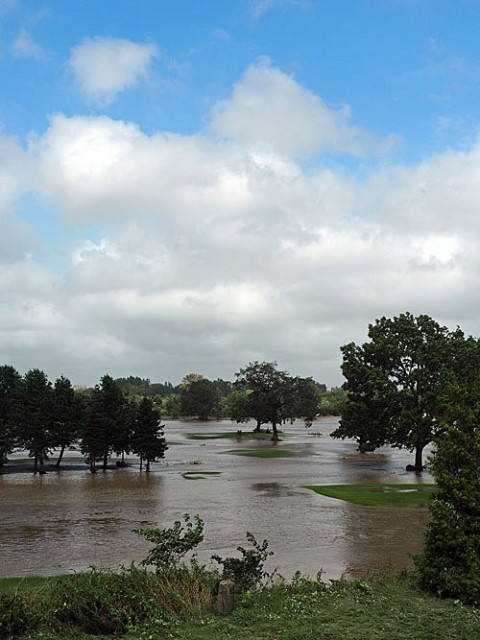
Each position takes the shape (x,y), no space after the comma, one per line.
(395,380)
(271,396)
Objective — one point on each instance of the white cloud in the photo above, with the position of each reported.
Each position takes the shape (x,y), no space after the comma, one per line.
(104,67)
(217,251)
(260,7)
(24,46)
(269,108)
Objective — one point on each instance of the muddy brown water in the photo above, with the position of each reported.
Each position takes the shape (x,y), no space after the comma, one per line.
(69,520)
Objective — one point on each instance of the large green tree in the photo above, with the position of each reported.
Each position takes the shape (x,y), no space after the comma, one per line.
(9,390)
(67,416)
(393,382)
(35,417)
(107,424)
(147,439)
(272,396)
(199,397)
(450,562)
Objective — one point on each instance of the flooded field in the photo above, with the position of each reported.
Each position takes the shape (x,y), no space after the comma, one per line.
(69,520)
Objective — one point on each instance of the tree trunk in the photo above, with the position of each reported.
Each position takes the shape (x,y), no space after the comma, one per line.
(148,465)
(419,458)
(258,428)
(35,463)
(275,432)
(105,460)
(141,463)
(60,456)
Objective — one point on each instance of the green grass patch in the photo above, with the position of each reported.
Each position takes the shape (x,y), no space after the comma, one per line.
(9,586)
(263,453)
(199,475)
(377,494)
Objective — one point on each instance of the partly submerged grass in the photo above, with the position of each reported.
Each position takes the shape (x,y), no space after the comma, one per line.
(199,475)
(263,453)
(377,494)
(9,586)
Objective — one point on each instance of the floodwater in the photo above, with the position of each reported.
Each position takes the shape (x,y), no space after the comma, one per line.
(70,520)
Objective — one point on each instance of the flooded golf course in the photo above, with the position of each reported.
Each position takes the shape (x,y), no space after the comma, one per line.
(69,520)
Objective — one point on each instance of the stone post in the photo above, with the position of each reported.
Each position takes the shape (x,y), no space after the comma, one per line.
(225,598)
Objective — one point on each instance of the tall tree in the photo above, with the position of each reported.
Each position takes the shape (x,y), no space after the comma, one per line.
(147,439)
(273,396)
(450,562)
(107,423)
(199,398)
(35,414)
(67,416)
(394,380)
(9,387)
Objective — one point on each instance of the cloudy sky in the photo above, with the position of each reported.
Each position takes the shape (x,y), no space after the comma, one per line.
(190,186)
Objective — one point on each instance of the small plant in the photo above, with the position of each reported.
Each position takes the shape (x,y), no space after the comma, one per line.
(246,572)
(17,615)
(172,544)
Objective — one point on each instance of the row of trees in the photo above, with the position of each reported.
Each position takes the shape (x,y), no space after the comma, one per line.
(38,417)
(196,396)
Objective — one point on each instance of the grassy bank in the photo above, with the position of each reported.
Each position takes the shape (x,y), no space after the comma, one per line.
(377,494)
(142,606)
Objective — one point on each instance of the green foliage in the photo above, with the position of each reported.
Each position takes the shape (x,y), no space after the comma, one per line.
(200,398)
(172,544)
(147,439)
(333,402)
(450,562)
(247,572)
(17,615)
(395,380)
(271,396)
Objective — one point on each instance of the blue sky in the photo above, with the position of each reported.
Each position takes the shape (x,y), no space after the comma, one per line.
(188,186)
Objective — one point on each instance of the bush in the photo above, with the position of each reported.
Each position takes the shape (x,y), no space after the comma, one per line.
(246,572)
(17,615)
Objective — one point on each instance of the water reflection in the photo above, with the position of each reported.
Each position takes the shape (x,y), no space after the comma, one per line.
(70,520)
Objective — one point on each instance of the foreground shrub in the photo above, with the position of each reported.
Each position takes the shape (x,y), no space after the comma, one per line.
(247,572)
(17,615)
(105,603)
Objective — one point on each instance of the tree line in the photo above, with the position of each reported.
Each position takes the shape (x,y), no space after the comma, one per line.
(123,415)
(38,417)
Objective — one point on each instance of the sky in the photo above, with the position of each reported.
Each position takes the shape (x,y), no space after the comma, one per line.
(191,186)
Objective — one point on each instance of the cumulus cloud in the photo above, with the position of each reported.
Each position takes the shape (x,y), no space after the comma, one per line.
(104,67)
(269,108)
(218,248)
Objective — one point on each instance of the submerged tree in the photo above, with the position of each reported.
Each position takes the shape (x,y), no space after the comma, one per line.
(271,396)
(66,418)
(394,380)
(147,440)
(35,416)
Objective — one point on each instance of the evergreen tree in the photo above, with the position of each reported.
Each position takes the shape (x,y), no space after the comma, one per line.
(67,416)
(9,388)
(450,563)
(147,438)
(35,416)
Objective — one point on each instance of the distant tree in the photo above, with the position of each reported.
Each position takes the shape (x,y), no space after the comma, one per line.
(35,417)
(332,402)
(67,416)
(450,562)
(238,406)
(147,440)
(199,398)
(106,426)
(393,382)
(273,396)
(172,405)
(9,388)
